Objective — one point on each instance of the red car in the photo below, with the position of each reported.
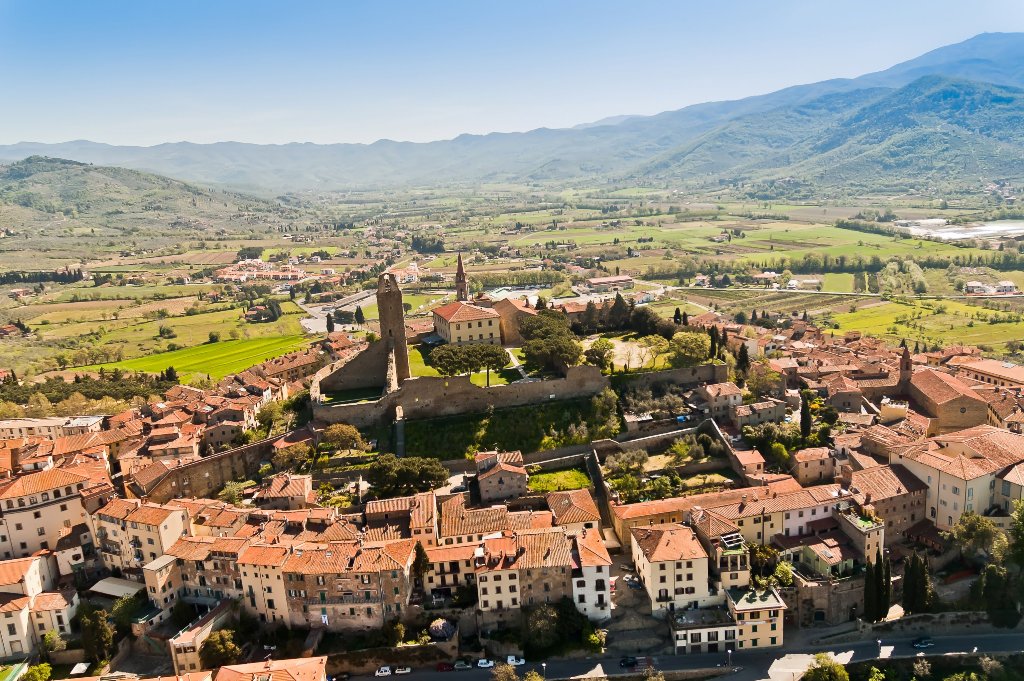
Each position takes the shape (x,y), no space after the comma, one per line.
(445,667)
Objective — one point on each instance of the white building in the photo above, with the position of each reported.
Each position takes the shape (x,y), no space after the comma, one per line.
(591,585)
(673,567)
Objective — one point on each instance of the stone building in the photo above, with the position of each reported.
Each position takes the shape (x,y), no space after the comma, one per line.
(501,476)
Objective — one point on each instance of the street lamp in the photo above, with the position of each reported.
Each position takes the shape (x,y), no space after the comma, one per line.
(544,668)
(879,647)
(728,652)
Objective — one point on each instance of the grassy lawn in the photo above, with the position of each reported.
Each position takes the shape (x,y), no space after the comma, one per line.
(216,359)
(554,481)
(418,367)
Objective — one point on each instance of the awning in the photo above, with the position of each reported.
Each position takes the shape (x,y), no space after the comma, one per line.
(113,586)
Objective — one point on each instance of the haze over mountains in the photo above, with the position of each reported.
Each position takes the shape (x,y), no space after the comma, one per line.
(953,117)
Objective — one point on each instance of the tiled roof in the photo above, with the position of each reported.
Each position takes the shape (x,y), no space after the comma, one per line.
(151,514)
(260,554)
(199,548)
(715,390)
(119,508)
(591,549)
(884,482)
(811,454)
(941,387)
(668,542)
(53,600)
(457,520)
(707,500)
(284,485)
(576,506)
(297,669)
(43,481)
(14,571)
(464,312)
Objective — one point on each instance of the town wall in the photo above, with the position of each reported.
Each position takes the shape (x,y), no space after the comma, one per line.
(684,376)
(427,397)
(367,369)
(205,476)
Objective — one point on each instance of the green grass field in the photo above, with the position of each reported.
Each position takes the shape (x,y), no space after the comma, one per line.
(838,283)
(554,481)
(215,359)
(933,321)
(418,367)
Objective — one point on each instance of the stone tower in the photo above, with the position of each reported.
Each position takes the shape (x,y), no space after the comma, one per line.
(461,284)
(392,322)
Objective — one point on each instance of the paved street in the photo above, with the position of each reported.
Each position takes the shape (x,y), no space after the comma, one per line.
(777,665)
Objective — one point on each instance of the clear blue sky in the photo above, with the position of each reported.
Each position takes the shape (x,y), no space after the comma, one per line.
(151,71)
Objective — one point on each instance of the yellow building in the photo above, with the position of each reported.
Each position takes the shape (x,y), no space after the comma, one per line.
(460,323)
(758,615)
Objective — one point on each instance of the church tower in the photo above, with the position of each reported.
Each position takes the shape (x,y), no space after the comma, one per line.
(461,284)
(906,368)
(392,322)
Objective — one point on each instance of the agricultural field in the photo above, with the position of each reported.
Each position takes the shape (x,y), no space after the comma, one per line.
(837,282)
(731,301)
(935,322)
(215,360)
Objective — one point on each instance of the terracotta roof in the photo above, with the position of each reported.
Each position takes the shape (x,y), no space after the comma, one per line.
(284,485)
(53,600)
(668,542)
(811,454)
(43,481)
(576,506)
(591,549)
(714,390)
(970,453)
(502,467)
(884,482)
(151,514)
(199,548)
(260,554)
(447,554)
(464,312)
(458,521)
(119,508)
(297,669)
(941,387)
(14,571)
(707,500)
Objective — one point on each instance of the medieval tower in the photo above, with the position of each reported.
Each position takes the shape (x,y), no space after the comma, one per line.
(461,283)
(392,322)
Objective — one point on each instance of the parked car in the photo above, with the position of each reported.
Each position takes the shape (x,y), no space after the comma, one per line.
(383,671)
(462,665)
(633,582)
(401,671)
(627,662)
(515,661)
(484,663)
(923,642)
(458,488)
(445,667)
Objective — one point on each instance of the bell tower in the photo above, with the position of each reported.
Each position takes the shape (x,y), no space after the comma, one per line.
(461,283)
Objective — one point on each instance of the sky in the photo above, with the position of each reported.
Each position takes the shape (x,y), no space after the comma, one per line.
(154,71)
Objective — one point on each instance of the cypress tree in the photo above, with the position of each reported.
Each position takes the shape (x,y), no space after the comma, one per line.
(713,334)
(870,593)
(909,584)
(743,359)
(885,587)
(805,419)
(882,587)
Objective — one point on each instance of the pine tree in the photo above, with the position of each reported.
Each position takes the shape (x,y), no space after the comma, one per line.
(870,593)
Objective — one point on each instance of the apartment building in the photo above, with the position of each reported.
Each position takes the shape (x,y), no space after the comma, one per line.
(758,616)
(575,510)
(209,568)
(130,533)
(515,570)
(673,567)
(962,470)
(591,575)
(36,507)
(30,605)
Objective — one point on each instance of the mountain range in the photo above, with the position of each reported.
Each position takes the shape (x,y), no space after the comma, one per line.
(953,117)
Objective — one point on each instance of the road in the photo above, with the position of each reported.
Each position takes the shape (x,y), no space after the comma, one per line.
(778,665)
(316,322)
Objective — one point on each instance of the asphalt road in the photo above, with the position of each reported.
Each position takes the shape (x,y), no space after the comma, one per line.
(780,665)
